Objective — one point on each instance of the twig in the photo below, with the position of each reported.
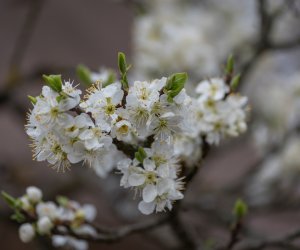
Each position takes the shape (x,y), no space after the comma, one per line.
(117,234)
(264,42)
(284,242)
(234,235)
(22,41)
(178,227)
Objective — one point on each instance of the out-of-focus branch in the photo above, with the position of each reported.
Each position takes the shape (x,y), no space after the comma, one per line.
(113,235)
(22,41)
(264,42)
(284,242)
(176,224)
(274,149)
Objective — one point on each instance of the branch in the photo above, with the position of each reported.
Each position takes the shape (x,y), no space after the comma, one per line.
(175,222)
(234,235)
(23,40)
(264,43)
(114,235)
(284,242)
(273,149)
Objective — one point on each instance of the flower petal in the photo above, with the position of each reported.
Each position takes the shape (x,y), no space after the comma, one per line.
(149,193)
(135,179)
(146,208)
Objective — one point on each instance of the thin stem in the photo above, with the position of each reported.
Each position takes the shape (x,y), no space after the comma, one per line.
(113,235)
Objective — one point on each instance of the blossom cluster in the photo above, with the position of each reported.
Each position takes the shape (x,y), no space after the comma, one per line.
(185,32)
(52,219)
(276,135)
(145,129)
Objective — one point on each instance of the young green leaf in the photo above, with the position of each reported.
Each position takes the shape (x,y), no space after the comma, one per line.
(122,63)
(142,152)
(235,82)
(123,70)
(62,200)
(175,84)
(230,65)
(84,74)
(32,99)
(11,201)
(18,217)
(240,209)
(54,82)
(140,155)
(111,78)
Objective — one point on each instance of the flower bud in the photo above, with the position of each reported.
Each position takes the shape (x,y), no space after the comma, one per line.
(90,212)
(26,232)
(34,194)
(25,204)
(44,225)
(46,209)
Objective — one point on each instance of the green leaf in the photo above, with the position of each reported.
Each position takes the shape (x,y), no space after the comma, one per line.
(175,84)
(62,200)
(230,65)
(123,70)
(240,209)
(84,74)
(32,99)
(142,152)
(111,78)
(54,82)
(11,201)
(122,63)
(140,155)
(18,216)
(235,82)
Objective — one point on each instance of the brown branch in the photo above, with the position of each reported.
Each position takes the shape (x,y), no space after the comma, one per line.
(23,40)
(176,224)
(264,42)
(113,235)
(284,242)
(234,235)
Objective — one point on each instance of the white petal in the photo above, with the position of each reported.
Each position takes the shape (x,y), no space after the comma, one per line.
(149,193)
(149,165)
(74,158)
(92,144)
(135,179)
(146,208)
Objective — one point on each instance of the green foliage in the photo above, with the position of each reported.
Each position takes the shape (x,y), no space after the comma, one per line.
(84,74)
(32,99)
(18,217)
(140,155)
(11,201)
(122,62)
(240,209)
(235,82)
(229,65)
(15,204)
(54,82)
(123,70)
(111,78)
(62,200)
(175,84)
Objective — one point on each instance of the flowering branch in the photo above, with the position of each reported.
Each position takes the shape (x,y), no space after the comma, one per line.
(264,42)
(140,128)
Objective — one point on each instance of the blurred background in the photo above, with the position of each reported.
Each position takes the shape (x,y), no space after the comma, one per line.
(161,37)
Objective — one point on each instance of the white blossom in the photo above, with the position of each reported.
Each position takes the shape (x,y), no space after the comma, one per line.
(44,225)
(34,194)
(26,232)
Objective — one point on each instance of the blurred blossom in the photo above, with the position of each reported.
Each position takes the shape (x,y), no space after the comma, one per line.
(194,37)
